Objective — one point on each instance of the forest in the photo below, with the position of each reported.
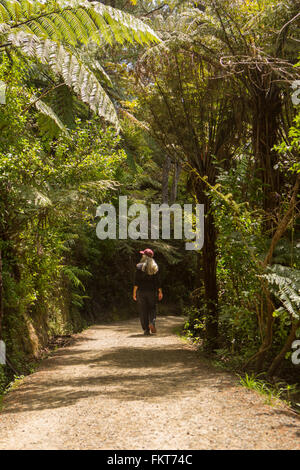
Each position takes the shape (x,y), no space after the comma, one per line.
(162,101)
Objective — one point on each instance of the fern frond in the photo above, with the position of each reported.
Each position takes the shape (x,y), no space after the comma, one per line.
(47,30)
(74,74)
(72,273)
(75,21)
(47,111)
(284,283)
(88,59)
(36,199)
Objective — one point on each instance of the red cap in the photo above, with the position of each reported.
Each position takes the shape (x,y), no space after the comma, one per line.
(147,252)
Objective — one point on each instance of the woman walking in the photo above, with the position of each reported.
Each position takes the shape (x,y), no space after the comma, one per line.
(147,289)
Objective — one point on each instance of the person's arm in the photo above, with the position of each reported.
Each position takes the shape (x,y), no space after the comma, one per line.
(135,284)
(135,288)
(158,284)
(160,294)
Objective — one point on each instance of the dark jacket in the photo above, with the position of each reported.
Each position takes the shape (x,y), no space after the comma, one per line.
(146,282)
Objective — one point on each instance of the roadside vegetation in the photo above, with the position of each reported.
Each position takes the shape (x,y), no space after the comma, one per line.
(163,102)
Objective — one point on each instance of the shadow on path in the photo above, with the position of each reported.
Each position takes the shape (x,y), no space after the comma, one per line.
(121,373)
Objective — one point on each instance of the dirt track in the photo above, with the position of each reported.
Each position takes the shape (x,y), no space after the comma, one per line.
(116,389)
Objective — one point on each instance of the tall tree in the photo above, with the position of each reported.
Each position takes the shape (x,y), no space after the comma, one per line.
(258,45)
(194,118)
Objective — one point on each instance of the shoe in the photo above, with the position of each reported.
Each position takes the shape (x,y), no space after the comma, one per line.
(152,328)
(146,332)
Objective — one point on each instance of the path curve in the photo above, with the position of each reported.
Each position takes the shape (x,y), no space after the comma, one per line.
(116,389)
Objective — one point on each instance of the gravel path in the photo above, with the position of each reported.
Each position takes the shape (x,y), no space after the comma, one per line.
(116,389)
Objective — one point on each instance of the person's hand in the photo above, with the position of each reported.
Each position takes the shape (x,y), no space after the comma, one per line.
(134,293)
(160,295)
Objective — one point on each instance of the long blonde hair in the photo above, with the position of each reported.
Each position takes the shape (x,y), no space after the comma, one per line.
(149,266)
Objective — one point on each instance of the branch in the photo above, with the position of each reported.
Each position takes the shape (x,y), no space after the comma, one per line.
(155,9)
(284,223)
(288,23)
(5,45)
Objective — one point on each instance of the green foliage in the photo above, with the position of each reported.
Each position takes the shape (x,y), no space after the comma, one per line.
(47,32)
(284,283)
(3,381)
(73,21)
(253,383)
(271,391)
(290,150)
(69,68)
(195,322)
(201,97)
(48,190)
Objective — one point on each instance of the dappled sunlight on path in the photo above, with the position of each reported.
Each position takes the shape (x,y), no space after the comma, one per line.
(114,388)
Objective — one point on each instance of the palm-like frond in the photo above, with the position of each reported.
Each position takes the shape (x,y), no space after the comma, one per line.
(50,114)
(66,65)
(49,30)
(46,201)
(59,113)
(89,58)
(73,273)
(284,283)
(74,21)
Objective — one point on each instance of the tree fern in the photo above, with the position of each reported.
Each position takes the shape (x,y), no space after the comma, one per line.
(50,114)
(73,273)
(284,283)
(75,74)
(74,21)
(59,114)
(88,56)
(49,30)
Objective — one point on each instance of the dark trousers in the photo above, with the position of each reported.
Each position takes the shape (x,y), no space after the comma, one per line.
(146,301)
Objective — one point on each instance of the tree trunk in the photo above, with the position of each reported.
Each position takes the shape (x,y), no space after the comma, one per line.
(287,347)
(267,342)
(266,115)
(279,232)
(284,222)
(209,257)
